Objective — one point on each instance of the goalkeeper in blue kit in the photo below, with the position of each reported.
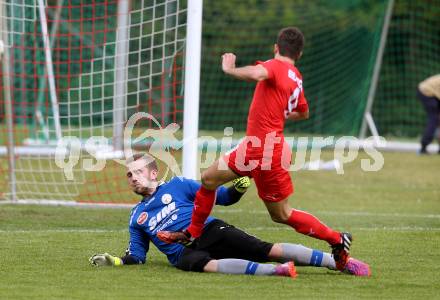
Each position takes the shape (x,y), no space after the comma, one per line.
(221,248)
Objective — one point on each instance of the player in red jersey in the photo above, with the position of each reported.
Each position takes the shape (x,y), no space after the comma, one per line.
(263,154)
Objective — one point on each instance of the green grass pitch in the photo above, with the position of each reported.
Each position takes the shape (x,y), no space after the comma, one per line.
(393,214)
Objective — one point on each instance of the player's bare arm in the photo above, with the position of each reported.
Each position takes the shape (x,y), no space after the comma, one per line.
(298,116)
(248,73)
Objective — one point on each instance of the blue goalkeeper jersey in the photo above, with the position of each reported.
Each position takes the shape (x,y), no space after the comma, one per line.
(169,208)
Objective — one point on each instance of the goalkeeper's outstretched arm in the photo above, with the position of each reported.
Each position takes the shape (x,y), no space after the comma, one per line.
(225,195)
(231,195)
(106,259)
(134,255)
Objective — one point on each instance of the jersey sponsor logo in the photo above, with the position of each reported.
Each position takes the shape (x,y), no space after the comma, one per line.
(166,224)
(166,199)
(142,218)
(162,214)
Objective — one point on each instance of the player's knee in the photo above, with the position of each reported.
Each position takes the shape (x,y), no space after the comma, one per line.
(211,266)
(279,217)
(276,252)
(209,181)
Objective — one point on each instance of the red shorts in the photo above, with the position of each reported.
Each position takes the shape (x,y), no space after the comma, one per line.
(268,168)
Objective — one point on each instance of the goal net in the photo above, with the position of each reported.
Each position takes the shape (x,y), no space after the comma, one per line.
(341,43)
(80,69)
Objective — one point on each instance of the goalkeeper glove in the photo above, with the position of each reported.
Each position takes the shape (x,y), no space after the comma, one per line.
(241,184)
(105,260)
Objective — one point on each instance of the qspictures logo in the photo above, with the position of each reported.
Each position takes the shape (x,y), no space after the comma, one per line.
(160,142)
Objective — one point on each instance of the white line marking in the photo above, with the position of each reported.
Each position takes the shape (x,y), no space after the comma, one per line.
(68,203)
(222,210)
(268,228)
(77,230)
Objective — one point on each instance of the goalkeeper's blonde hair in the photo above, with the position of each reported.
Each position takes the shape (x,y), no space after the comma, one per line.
(150,161)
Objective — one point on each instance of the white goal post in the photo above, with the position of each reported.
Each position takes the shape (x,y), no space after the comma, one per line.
(192,88)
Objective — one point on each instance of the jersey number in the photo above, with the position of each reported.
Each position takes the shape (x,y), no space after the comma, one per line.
(293,102)
(293,99)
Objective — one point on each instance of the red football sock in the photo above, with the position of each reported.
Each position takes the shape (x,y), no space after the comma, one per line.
(203,204)
(308,224)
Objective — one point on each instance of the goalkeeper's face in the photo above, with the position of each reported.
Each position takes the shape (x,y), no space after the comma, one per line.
(141,179)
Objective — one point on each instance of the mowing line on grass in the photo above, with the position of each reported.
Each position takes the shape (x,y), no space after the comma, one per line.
(336,213)
(383,228)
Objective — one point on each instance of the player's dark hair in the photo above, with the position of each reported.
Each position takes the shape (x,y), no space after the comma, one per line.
(290,42)
(151,162)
